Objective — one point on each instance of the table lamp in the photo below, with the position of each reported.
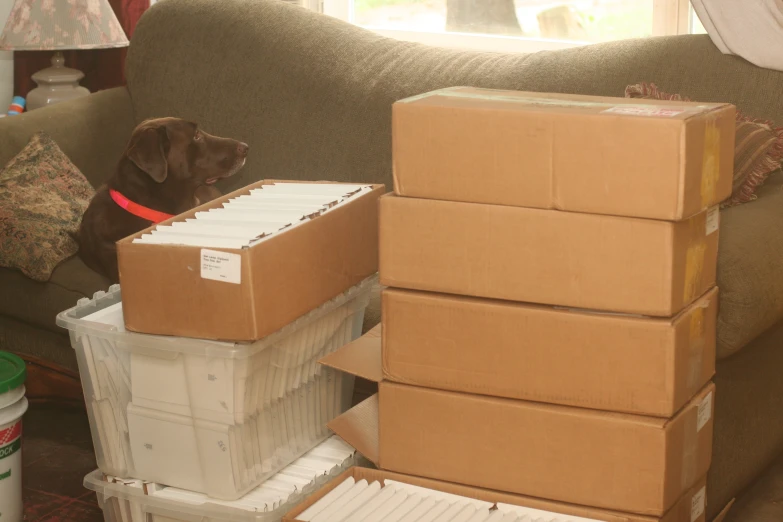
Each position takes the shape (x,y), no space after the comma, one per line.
(59,25)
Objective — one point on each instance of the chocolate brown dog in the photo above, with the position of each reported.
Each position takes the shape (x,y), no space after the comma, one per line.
(169,167)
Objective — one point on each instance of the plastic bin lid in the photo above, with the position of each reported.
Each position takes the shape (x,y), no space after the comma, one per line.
(12,372)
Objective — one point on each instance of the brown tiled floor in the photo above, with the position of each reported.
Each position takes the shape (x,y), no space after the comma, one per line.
(57,452)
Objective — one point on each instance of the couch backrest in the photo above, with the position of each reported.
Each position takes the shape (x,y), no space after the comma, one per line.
(312,95)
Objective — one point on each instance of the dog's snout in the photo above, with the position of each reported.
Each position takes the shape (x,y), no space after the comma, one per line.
(242,149)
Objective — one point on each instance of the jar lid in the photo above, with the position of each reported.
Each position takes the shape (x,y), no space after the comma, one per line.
(12,372)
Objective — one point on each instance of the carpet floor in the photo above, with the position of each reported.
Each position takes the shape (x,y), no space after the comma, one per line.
(57,453)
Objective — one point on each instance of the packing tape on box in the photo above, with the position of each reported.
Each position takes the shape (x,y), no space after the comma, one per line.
(694,260)
(710,166)
(697,339)
(690,455)
(694,264)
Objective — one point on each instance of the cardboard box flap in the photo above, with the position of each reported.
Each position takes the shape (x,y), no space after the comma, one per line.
(359,428)
(361,357)
(359,425)
(722,515)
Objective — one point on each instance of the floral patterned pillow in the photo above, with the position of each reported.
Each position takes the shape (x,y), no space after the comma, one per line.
(42,199)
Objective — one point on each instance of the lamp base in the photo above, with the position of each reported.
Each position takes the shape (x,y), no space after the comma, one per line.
(6,77)
(55,84)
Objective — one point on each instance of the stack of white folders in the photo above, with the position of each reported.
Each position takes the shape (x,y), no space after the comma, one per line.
(245,220)
(363,501)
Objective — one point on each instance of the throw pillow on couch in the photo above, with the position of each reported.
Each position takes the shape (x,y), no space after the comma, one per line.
(43,196)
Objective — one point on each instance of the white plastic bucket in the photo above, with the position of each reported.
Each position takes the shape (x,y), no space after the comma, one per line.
(13,405)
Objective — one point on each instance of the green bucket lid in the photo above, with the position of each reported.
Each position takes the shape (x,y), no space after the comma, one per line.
(12,372)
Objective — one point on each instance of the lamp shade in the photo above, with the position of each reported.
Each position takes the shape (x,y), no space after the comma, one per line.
(57,25)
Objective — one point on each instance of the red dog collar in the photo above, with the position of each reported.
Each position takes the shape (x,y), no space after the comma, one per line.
(138,210)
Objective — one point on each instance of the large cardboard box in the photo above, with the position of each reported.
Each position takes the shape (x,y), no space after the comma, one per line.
(632,364)
(689,508)
(614,461)
(277,280)
(655,159)
(589,261)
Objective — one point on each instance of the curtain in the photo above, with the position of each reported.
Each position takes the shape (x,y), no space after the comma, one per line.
(102,68)
(752,29)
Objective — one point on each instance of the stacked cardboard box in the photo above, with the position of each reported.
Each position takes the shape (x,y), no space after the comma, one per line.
(245,293)
(549,326)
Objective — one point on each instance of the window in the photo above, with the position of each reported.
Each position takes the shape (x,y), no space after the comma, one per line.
(517,25)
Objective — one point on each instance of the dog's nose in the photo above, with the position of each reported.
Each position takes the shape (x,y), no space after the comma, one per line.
(242,149)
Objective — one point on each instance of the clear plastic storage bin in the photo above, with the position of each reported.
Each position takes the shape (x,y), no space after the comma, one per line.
(128,500)
(213,417)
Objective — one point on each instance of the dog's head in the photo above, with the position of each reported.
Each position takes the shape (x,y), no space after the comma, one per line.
(175,150)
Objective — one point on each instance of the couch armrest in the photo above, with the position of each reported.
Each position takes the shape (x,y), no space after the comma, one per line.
(92,131)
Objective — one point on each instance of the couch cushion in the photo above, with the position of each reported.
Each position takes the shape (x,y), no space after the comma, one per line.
(39,303)
(748,425)
(749,268)
(24,339)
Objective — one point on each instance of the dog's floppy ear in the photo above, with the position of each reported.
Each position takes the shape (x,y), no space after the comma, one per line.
(147,151)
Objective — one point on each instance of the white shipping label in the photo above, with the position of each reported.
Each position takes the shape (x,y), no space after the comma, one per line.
(698,502)
(221,266)
(705,412)
(713,220)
